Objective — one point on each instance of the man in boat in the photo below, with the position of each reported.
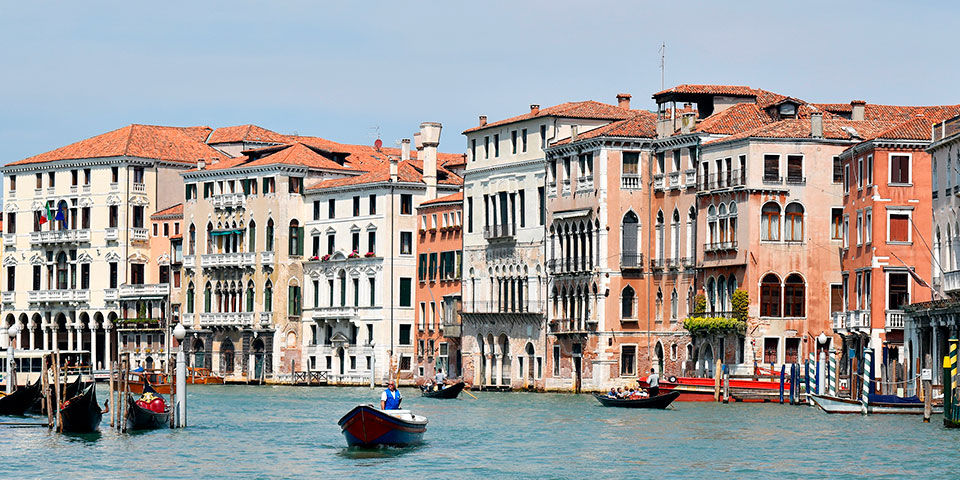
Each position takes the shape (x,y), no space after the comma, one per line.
(440,378)
(654,382)
(390,398)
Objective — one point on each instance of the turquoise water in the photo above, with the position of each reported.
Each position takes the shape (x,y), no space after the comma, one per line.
(291,432)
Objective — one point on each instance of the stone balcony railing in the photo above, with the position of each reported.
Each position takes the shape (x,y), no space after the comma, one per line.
(839,321)
(54,296)
(266,318)
(229,200)
(266,258)
(111,294)
(8,297)
(630,181)
(9,239)
(187,319)
(690,178)
(139,234)
(215,260)
(139,188)
(111,234)
(951,281)
(145,290)
(190,261)
(894,320)
(658,181)
(330,313)
(674,178)
(60,236)
(226,319)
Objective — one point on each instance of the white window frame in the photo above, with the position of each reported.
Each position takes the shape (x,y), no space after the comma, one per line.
(846,178)
(900,211)
(846,231)
(886,282)
(909,169)
(869,169)
(859,227)
(868,225)
(636,360)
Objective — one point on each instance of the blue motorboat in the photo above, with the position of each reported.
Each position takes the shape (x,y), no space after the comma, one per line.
(369,426)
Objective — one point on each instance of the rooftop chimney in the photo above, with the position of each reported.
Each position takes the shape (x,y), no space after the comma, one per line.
(430,138)
(405,149)
(858,109)
(393,168)
(483,120)
(816,125)
(688,120)
(534,108)
(201,164)
(623,100)
(573,133)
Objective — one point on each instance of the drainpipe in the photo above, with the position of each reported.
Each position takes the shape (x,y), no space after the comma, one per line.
(650,158)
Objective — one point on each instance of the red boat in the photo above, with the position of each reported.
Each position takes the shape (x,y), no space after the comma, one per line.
(694,389)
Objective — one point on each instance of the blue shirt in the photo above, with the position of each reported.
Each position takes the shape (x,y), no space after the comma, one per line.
(391,399)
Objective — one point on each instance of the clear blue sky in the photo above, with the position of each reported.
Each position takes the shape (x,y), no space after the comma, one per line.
(72,70)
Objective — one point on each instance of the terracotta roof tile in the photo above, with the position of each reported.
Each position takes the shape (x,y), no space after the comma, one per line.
(174,210)
(732,90)
(642,125)
(452,198)
(174,144)
(246,133)
(588,109)
(833,129)
(740,117)
(410,171)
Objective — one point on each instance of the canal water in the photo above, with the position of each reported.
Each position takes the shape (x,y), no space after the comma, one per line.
(292,432)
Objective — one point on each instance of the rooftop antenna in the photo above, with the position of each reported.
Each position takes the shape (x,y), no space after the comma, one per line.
(663,54)
(377,143)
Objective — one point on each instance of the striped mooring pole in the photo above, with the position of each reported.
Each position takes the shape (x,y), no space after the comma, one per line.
(865,391)
(950,384)
(832,375)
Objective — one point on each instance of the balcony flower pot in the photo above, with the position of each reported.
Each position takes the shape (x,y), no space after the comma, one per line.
(353,254)
(369,254)
(325,257)
(314,258)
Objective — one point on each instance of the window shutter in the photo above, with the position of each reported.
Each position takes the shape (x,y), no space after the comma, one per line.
(300,233)
(899,228)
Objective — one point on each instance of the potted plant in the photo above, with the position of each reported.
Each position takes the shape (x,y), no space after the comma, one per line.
(325,257)
(369,254)
(353,254)
(314,258)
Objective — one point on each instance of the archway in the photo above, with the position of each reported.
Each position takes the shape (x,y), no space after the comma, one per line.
(340,360)
(505,360)
(61,326)
(706,360)
(97,357)
(531,360)
(149,363)
(226,356)
(198,353)
(658,351)
(258,358)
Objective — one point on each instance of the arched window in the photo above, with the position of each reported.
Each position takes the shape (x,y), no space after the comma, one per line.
(660,241)
(190,294)
(674,305)
(675,234)
(62,215)
(770,296)
(793,224)
(192,241)
(629,251)
(626,303)
(269,239)
(722,220)
(691,225)
(722,293)
(712,234)
(250,296)
(268,297)
(342,278)
(62,271)
(296,238)
(732,223)
(711,295)
(207,294)
(252,236)
(210,238)
(770,222)
(659,305)
(794,296)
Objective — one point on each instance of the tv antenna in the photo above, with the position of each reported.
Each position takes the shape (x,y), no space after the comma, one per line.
(663,54)
(378,142)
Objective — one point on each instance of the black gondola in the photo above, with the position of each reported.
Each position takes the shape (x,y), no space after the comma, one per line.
(659,401)
(81,414)
(449,391)
(21,400)
(139,418)
(67,391)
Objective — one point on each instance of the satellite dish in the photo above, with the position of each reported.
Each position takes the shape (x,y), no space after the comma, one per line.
(377,144)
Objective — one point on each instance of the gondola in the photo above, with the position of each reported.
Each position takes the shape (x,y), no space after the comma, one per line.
(81,414)
(448,391)
(21,400)
(67,391)
(139,418)
(660,401)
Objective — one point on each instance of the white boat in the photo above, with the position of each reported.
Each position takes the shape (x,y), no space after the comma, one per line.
(845,405)
(29,364)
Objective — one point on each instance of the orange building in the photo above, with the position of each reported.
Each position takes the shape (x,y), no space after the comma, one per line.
(439,261)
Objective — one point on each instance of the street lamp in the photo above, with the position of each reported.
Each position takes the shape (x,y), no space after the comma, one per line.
(13,331)
(822,339)
(181,381)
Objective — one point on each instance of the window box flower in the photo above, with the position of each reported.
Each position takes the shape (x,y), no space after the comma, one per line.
(314,258)
(325,257)
(353,254)
(370,254)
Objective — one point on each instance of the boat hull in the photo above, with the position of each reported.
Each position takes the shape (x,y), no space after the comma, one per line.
(694,389)
(368,426)
(21,400)
(448,392)
(658,402)
(81,414)
(845,405)
(139,418)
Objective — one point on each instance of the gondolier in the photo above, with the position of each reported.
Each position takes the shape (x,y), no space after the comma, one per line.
(390,398)
(653,381)
(440,378)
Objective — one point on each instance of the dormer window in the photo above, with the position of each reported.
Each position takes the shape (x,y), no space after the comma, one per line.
(788,110)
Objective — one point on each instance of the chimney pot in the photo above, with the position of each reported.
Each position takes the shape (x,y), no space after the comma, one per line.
(534,108)
(623,100)
(483,120)
(405,149)
(858,110)
(816,125)
(201,164)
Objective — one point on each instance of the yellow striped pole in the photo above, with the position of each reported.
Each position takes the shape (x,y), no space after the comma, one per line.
(950,388)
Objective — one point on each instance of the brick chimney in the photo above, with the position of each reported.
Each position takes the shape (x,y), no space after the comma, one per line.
(534,108)
(201,164)
(394,169)
(858,108)
(430,139)
(623,100)
(816,124)
(483,120)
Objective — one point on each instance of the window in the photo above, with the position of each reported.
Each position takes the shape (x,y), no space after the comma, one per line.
(372,242)
(868,226)
(486,147)
(316,209)
(405,339)
(356,206)
(899,169)
(837,170)
(513,142)
(331,243)
(11,278)
(355,242)
(51,179)
(295,185)
(432,268)
(898,226)
(556,360)
(496,145)
(543,206)
(296,238)
(473,149)
(859,228)
(166,229)
(794,295)
(406,299)
(13,182)
(422,267)
(628,360)
(543,136)
(836,298)
(627,299)
(208,190)
(269,235)
(836,223)
(523,139)
(795,170)
(770,222)
(846,179)
(770,296)
(793,223)
(846,231)
(406,243)
(406,204)
(268,297)
(860,173)
(771,347)
(373,298)
(269,185)
(138,217)
(11,226)
(522,206)
(86,176)
(373,204)
(469,214)
(791,353)
(869,170)
(771,168)
(332,208)
(137,174)
(898,290)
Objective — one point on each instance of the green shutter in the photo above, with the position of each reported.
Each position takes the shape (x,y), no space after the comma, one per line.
(253,238)
(300,240)
(405,292)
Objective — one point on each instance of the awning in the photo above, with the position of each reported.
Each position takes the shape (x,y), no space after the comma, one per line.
(226,232)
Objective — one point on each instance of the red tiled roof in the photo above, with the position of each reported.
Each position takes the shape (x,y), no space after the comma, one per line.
(246,133)
(174,144)
(176,236)
(800,128)
(586,109)
(732,90)
(892,112)
(452,198)
(174,210)
(642,125)
(290,154)
(740,117)
(410,171)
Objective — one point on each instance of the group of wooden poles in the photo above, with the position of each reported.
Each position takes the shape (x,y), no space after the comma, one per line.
(120,389)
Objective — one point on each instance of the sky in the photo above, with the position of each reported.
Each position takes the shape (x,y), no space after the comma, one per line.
(348,70)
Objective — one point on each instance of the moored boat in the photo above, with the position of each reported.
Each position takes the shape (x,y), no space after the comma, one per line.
(693,389)
(876,404)
(203,376)
(448,391)
(155,378)
(20,400)
(145,418)
(369,426)
(81,414)
(657,402)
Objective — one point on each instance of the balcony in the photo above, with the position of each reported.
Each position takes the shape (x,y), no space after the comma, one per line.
(674,180)
(139,188)
(145,290)
(631,261)
(266,318)
(111,294)
(566,186)
(58,296)
(505,231)
(630,181)
(86,188)
(839,321)
(690,178)
(266,258)
(111,234)
(189,261)
(796,180)
(140,234)
(60,236)
(9,239)
(8,297)
(658,182)
(772,180)
(951,281)
(524,306)
(229,200)
(894,320)
(673,263)
(737,178)
(226,319)
(657,263)
(187,319)
(585,183)
(568,326)
(335,313)
(708,182)
(687,262)
(857,319)
(719,246)
(222,260)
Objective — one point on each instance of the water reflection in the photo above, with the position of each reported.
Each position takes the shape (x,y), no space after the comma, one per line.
(381,452)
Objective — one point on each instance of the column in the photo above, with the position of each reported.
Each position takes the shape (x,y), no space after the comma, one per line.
(106,345)
(78,338)
(498,367)
(488,369)
(33,338)
(93,346)
(69,337)
(477,368)
(935,351)
(47,332)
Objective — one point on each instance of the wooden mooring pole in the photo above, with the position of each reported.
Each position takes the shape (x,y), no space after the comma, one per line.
(56,389)
(47,392)
(113,403)
(928,391)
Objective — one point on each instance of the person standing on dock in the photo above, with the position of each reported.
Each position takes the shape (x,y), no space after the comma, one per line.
(654,381)
(390,398)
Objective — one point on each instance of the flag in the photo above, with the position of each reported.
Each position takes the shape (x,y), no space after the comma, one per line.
(918,279)
(43,218)
(60,215)
(49,211)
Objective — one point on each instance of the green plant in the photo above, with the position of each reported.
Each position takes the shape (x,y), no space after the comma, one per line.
(714,325)
(741,304)
(699,304)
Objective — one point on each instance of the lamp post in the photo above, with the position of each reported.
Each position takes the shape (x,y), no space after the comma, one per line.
(181,381)
(13,331)
(822,367)
(373,366)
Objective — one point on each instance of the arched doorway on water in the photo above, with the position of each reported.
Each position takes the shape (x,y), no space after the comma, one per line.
(198,353)
(658,350)
(149,363)
(258,357)
(226,357)
(341,360)
(706,360)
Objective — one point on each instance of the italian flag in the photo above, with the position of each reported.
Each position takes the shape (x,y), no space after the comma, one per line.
(49,214)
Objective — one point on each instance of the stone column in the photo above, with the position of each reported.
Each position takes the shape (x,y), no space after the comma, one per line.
(69,337)
(498,367)
(106,344)
(78,338)
(93,345)
(33,338)
(47,332)
(488,370)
